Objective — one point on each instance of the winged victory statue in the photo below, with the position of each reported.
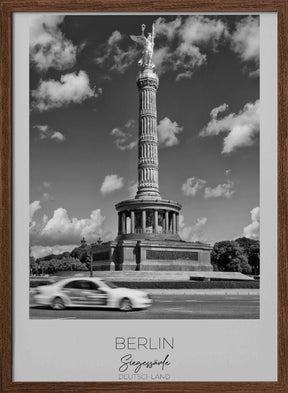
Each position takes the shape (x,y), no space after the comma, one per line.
(148,46)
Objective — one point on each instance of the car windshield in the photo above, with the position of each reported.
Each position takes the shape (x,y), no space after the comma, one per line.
(110,284)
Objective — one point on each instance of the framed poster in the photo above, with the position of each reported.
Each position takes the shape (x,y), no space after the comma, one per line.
(133,171)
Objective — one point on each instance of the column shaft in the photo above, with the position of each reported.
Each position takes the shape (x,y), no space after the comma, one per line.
(119,223)
(143,220)
(173,222)
(156,220)
(148,158)
(166,221)
(132,221)
(124,222)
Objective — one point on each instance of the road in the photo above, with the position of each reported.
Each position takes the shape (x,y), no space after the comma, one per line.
(169,306)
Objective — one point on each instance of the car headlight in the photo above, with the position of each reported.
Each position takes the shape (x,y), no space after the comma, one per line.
(145,296)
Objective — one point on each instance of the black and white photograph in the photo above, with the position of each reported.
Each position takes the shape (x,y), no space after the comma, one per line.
(144,156)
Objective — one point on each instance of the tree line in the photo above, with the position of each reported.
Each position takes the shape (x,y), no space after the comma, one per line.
(240,255)
(76,260)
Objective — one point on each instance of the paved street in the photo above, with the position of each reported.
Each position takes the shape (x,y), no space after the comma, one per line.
(170,306)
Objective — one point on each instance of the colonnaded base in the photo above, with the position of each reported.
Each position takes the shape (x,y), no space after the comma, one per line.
(152,255)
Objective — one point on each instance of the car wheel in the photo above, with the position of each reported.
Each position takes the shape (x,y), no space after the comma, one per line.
(58,304)
(126,305)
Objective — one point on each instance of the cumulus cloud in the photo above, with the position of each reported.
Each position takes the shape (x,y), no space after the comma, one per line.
(183,61)
(181,43)
(245,42)
(221,108)
(253,230)
(45,132)
(192,186)
(49,48)
(71,88)
(168,132)
(111,183)
(115,55)
(225,190)
(178,48)
(194,233)
(241,128)
(125,136)
(167,29)
(42,251)
(62,229)
(33,207)
(58,136)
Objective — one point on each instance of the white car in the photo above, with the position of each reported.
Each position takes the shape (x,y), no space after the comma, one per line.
(90,292)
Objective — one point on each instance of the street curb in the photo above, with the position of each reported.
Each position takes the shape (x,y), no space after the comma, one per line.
(202,291)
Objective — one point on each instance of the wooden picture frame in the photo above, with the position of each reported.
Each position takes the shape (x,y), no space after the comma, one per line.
(8,7)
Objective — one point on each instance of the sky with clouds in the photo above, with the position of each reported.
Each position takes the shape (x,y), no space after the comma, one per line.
(84,116)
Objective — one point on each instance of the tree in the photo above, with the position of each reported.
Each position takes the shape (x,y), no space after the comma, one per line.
(239,264)
(230,256)
(55,265)
(252,250)
(81,253)
(254,258)
(33,265)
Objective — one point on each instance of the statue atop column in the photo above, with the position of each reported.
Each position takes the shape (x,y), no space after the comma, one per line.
(148,46)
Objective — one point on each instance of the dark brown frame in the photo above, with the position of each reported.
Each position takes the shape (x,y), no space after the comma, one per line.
(7,7)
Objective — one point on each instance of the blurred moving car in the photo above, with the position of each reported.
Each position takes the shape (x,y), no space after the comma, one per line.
(90,292)
(35,283)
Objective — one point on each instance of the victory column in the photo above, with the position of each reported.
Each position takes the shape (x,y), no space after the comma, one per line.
(148,225)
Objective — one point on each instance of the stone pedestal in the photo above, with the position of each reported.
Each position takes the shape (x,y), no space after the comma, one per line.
(152,255)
